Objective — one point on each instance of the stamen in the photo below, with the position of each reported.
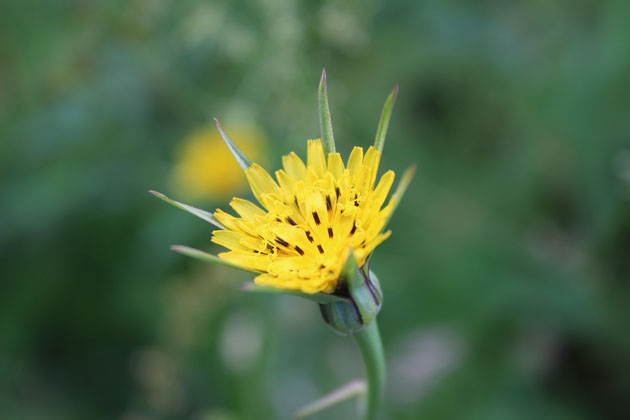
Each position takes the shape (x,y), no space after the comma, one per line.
(282,242)
(330,232)
(308,235)
(320,249)
(291,221)
(354,228)
(316,218)
(299,250)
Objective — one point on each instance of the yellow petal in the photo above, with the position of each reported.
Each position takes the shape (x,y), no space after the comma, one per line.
(261,182)
(355,161)
(246,209)
(245,259)
(226,220)
(371,160)
(294,166)
(286,182)
(316,159)
(229,239)
(335,165)
(381,191)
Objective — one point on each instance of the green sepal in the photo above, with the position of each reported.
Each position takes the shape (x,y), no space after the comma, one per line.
(325,121)
(202,214)
(383,123)
(322,298)
(204,256)
(361,296)
(401,188)
(238,154)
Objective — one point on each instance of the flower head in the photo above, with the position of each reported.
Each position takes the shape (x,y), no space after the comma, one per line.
(316,226)
(313,215)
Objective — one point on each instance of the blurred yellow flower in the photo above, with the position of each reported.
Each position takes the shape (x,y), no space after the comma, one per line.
(206,169)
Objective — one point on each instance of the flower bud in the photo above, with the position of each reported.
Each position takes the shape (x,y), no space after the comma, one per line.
(360,299)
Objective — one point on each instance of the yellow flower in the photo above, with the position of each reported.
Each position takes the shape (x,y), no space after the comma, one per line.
(318,224)
(205,168)
(313,215)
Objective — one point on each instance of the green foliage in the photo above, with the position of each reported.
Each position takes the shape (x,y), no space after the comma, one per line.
(505,281)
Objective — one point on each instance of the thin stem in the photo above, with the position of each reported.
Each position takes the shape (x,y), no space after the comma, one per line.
(371,347)
(348,391)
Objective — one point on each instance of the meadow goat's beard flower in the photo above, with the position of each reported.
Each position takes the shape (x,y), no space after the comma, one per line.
(313,216)
(313,234)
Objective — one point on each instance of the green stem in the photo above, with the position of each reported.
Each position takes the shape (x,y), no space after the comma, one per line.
(371,347)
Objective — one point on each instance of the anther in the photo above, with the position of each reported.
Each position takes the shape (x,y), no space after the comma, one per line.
(328,203)
(316,218)
(282,242)
(299,250)
(330,233)
(354,228)
(308,236)
(320,249)
(291,221)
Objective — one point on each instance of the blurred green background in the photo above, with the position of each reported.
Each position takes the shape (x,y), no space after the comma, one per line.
(506,279)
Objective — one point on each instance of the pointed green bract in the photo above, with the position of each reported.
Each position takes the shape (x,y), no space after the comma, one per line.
(367,298)
(325,122)
(202,214)
(350,390)
(406,178)
(317,297)
(238,154)
(383,123)
(204,256)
